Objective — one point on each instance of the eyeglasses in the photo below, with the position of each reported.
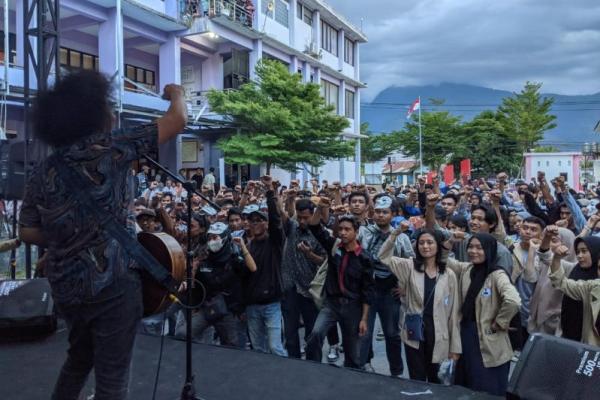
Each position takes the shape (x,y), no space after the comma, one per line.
(255,221)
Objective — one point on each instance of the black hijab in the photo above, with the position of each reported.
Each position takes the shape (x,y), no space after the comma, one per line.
(479,273)
(572,310)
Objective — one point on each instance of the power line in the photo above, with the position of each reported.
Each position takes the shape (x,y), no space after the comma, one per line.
(573,102)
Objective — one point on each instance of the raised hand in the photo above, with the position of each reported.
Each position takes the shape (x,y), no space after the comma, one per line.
(561,251)
(432,200)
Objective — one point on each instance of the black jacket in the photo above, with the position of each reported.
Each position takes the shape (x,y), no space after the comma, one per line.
(352,270)
(264,286)
(221,273)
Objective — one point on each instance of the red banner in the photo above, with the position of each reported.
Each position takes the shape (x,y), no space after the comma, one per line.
(465,168)
(449,174)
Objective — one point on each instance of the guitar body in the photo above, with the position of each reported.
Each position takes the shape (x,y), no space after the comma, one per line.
(169,254)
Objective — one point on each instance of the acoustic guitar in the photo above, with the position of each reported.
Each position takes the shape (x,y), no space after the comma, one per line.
(170,255)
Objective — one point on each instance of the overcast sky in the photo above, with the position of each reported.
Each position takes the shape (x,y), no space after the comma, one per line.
(494,43)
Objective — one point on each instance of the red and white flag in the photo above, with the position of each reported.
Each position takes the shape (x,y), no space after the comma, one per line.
(414,107)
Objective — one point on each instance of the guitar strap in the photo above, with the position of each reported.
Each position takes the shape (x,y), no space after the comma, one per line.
(109,223)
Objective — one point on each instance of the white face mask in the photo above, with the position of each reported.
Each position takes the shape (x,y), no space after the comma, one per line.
(215,245)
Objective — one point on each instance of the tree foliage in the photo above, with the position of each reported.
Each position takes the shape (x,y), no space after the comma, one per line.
(489,147)
(526,116)
(281,121)
(441,138)
(377,147)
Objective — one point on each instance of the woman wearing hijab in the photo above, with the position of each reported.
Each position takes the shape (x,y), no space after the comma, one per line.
(584,291)
(546,303)
(488,303)
(431,294)
(219,273)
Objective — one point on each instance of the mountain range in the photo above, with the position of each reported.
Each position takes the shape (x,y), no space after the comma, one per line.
(577,115)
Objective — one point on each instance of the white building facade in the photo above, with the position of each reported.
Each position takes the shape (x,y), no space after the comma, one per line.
(203,45)
(553,165)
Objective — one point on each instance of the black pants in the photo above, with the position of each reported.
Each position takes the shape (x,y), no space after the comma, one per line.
(293,306)
(419,363)
(101,336)
(348,315)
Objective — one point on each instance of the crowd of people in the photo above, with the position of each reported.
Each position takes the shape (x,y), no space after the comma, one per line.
(459,273)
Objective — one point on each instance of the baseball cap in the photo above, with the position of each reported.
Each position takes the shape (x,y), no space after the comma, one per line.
(383,202)
(218,228)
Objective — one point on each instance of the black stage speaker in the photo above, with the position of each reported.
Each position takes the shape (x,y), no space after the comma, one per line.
(553,368)
(26,308)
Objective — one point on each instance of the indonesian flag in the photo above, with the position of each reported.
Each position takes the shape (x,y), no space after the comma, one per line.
(414,107)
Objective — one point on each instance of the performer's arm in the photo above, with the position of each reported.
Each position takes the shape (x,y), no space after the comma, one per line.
(173,122)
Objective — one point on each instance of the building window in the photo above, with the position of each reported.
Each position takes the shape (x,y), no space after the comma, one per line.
(12,43)
(140,76)
(329,38)
(349,112)
(348,51)
(330,93)
(569,163)
(279,11)
(73,59)
(539,163)
(559,163)
(547,163)
(304,14)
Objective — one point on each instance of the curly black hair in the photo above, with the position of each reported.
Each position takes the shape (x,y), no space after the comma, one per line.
(77,106)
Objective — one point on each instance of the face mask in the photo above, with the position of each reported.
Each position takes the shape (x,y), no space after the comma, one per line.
(215,245)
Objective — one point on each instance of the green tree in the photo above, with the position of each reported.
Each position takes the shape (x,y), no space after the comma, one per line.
(281,121)
(526,116)
(442,138)
(546,149)
(377,147)
(489,147)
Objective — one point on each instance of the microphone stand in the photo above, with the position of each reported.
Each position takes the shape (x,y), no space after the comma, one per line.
(189,391)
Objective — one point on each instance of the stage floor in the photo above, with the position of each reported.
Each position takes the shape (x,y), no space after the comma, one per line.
(28,371)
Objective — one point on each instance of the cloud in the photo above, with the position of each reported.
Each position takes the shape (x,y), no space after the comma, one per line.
(497,44)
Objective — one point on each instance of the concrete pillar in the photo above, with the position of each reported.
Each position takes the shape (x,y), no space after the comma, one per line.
(341,36)
(316,27)
(256,17)
(317,76)
(357,111)
(293,65)
(342,98)
(107,44)
(306,70)
(255,56)
(169,61)
(357,160)
(356,62)
(169,65)
(293,20)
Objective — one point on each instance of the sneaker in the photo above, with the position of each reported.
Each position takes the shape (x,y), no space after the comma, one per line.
(333,355)
(380,336)
(303,349)
(369,368)
(516,355)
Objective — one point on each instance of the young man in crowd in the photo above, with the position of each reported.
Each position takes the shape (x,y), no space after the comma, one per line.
(302,256)
(385,302)
(262,289)
(348,287)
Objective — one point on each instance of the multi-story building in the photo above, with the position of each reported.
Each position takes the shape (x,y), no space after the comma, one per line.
(202,44)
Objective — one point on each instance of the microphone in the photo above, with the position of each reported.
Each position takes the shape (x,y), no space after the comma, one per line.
(8,245)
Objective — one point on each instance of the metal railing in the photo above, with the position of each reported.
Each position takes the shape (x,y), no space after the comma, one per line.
(236,10)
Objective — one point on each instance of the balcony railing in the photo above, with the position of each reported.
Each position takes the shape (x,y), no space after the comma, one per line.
(240,11)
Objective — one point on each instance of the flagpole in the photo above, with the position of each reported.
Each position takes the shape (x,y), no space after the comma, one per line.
(420,139)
